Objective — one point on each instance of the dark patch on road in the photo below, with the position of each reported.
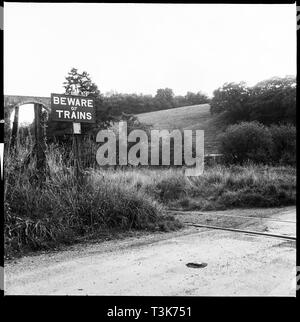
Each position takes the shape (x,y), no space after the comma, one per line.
(196,265)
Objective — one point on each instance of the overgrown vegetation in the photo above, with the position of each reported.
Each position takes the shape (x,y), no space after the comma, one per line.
(272,101)
(62,209)
(252,141)
(139,103)
(284,144)
(220,186)
(41,215)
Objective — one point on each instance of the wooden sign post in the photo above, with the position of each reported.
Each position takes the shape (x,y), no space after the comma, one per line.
(39,148)
(76,149)
(76,109)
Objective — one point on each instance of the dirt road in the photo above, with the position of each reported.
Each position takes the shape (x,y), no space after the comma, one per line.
(237,263)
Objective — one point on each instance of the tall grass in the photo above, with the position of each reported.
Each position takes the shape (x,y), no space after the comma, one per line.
(220,187)
(62,209)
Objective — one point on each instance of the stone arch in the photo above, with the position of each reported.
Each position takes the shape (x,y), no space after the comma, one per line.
(33,102)
(13,102)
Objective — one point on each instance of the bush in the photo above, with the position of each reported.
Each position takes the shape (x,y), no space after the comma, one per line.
(246,141)
(284,144)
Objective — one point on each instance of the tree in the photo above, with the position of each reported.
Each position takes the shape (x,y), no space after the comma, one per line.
(196,98)
(274,101)
(232,100)
(180,100)
(165,98)
(129,103)
(284,144)
(270,101)
(81,84)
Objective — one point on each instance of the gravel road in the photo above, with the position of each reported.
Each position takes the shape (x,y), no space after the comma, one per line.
(237,264)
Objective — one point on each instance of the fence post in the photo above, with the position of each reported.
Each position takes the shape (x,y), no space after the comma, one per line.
(14,133)
(39,147)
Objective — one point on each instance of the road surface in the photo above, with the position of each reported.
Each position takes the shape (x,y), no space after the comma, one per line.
(155,265)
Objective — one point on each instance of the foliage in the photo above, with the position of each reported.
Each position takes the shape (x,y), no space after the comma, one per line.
(164,98)
(219,187)
(258,143)
(233,99)
(81,84)
(195,98)
(270,101)
(274,101)
(284,144)
(246,141)
(87,207)
(117,199)
(119,103)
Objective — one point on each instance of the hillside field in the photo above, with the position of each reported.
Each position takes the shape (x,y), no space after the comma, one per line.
(195,117)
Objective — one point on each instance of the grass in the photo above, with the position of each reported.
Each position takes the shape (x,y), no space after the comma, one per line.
(193,117)
(220,187)
(63,209)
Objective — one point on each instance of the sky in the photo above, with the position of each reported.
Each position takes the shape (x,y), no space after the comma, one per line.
(138,48)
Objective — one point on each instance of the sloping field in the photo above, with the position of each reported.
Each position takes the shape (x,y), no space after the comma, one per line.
(195,117)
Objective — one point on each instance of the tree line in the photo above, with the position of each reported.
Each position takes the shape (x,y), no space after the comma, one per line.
(113,106)
(272,101)
(261,121)
(139,103)
(250,112)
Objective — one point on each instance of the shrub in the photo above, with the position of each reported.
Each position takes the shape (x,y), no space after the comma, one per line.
(246,141)
(284,144)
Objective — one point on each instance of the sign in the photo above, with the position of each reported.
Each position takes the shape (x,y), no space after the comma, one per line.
(76,128)
(73,108)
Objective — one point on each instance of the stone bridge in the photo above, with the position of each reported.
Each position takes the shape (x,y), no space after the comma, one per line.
(13,102)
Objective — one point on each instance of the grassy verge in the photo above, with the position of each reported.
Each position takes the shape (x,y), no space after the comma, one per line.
(63,210)
(220,187)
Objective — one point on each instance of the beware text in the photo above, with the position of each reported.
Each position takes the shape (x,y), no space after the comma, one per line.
(71,108)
